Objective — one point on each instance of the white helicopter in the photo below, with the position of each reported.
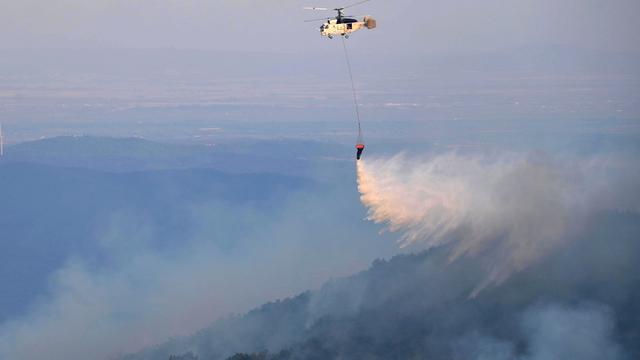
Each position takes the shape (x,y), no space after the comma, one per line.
(343,25)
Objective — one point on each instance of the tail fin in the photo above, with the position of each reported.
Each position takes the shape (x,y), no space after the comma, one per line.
(369,22)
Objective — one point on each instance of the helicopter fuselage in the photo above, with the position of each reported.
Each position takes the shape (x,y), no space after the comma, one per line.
(343,27)
(334,27)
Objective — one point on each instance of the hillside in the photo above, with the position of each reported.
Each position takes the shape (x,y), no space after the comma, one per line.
(418,306)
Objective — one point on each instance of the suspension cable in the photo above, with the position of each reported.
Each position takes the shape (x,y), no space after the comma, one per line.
(353,89)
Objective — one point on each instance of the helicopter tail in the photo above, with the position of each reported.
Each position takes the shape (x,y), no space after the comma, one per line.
(369,22)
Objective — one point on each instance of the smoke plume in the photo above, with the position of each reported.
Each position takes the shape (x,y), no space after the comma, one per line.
(508,212)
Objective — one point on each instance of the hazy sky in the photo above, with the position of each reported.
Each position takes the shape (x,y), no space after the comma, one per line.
(404,25)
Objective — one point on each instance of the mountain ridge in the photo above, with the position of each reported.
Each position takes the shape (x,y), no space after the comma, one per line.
(418,305)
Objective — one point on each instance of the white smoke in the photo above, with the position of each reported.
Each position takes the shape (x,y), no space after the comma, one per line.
(148,295)
(509,212)
(559,332)
(551,331)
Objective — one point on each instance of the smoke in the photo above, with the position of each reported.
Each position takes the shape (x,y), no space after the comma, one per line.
(509,212)
(505,214)
(147,295)
(584,332)
(551,332)
(576,298)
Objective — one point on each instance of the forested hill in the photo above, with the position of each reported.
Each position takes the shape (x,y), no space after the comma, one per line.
(419,306)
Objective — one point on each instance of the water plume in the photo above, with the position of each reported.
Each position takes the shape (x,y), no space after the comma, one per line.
(507,212)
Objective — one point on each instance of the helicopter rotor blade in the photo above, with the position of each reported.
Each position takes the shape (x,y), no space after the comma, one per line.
(313,20)
(355,4)
(317,8)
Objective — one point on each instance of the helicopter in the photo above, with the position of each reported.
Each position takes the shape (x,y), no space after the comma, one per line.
(343,25)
